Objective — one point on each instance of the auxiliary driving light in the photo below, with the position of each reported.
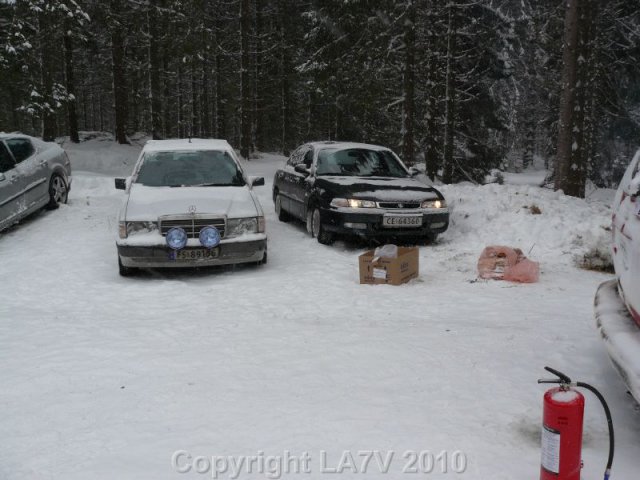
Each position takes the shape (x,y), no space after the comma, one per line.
(209,237)
(176,238)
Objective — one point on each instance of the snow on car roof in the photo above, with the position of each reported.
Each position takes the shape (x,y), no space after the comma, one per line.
(186,144)
(341,145)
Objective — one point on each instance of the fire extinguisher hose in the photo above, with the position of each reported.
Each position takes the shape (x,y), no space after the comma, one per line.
(607,412)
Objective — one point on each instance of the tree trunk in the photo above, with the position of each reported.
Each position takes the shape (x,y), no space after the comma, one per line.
(408,109)
(204,74)
(195,124)
(564,168)
(181,129)
(155,93)
(285,107)
(245,86)
(450,95)
(46,79)
(72,115)
(119,78)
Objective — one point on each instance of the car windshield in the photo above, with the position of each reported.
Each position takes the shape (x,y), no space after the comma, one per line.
(359,162)
(189,169)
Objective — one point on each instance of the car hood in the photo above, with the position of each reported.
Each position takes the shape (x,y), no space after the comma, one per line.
(148,203)
(377,188)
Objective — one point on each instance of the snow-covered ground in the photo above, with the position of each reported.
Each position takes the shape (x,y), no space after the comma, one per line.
(106,377)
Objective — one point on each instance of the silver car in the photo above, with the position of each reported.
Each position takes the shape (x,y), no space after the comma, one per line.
(33,174)
(189,204)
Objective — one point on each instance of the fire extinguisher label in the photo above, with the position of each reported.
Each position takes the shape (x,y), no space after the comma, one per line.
(550,450)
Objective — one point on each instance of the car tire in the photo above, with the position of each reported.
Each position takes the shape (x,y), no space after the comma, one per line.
(317,228)
(58,191)
(282,214)
(125,271)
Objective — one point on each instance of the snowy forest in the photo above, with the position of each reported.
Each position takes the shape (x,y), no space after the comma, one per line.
(460,86)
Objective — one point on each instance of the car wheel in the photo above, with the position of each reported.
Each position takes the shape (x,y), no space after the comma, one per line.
(58,191)
(283,216)
(318,231)
(125,271)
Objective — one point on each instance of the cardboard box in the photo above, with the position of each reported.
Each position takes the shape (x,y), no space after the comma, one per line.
(391,271)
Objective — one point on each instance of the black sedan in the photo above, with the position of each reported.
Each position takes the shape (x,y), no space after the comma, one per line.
(355,189)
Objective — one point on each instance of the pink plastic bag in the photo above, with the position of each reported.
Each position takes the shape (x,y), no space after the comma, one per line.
(525,271)
(506,263)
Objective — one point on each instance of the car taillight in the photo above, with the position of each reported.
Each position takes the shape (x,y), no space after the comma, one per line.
(261,225)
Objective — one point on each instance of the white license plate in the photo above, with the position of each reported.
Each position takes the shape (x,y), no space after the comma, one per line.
(400,221)
(196,254)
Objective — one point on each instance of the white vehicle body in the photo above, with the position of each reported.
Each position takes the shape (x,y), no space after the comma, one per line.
(151,210)
(617,303)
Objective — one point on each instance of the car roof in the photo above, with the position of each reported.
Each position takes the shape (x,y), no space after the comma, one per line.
(4,135)
(341,145)
(181,144)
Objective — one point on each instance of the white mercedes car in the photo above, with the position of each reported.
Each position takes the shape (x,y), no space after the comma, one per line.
(617,302)
(189,204)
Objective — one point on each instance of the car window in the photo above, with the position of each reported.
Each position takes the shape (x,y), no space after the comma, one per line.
(189,169)
(360,162)
(21,148)
(6,162)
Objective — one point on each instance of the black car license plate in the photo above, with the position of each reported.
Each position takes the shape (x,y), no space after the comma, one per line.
(401,221)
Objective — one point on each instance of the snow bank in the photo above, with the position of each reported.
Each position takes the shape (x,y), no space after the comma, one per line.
(565,231)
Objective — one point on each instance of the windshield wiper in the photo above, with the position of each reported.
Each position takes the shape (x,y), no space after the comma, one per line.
(218,185)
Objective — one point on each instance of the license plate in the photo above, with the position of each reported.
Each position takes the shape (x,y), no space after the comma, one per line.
(399,221)
(195,254)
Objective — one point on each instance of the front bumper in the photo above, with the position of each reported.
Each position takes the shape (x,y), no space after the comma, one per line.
(342,221)
(620,333)
(161,256)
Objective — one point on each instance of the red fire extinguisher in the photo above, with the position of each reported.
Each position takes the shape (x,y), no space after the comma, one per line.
(562,418)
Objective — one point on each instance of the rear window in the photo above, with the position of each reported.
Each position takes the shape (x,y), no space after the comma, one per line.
(189,169)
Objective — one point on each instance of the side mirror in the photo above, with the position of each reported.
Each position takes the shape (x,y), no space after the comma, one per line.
(301,168)
(256,181)
(413,171)
(121,183)
(2,177)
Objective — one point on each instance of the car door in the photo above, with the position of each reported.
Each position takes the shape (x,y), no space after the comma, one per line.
(11,189)
(285,180)
(33,168)
(299,181)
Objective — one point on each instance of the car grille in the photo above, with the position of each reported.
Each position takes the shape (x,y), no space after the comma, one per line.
(398,204)
(192,225)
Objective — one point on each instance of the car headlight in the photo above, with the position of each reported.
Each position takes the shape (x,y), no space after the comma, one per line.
(128,228)
(243,226)
(141,227)
(352,203)
(433,204)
